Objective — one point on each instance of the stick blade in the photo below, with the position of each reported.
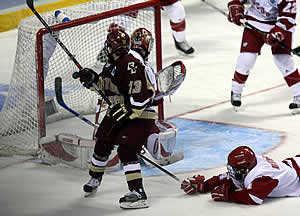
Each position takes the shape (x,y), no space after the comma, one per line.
(58,90)
(296,51)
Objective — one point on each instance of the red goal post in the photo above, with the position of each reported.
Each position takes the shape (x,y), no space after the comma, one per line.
(87,20)
(30,103)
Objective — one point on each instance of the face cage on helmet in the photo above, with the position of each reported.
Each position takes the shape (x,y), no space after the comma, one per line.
(139,45)
(237,173)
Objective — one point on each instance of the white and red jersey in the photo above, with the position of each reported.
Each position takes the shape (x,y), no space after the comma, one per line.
(264,14)
(269,178)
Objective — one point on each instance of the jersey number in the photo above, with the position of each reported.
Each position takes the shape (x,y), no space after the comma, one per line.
(135,87)
(290,7)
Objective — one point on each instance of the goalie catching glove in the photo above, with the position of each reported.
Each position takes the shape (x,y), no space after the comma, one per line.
(193,184)
(87,77)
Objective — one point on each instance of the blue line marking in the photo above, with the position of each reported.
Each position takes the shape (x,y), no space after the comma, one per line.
(206,145)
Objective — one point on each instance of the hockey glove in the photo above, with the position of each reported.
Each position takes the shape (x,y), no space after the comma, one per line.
(193,184)
(236,12)
(221,193)
(276,34)
(120,113)
(87,77)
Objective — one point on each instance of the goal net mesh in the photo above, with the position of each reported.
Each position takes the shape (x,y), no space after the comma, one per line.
(30,102)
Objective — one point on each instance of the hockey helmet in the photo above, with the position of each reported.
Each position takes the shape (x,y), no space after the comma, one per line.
(240,161)
(117,42)
(142,41)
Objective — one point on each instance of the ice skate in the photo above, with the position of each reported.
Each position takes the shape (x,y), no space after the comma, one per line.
(184,47)
(134,200)
(236,101)
(91,187)
(295,106)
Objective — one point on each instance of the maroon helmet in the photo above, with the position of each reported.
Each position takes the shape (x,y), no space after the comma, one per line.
(142,41)
(117,42)
(240,161)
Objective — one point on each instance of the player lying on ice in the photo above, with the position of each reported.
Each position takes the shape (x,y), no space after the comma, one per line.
(249,179)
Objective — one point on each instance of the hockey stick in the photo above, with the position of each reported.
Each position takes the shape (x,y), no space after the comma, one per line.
(214,7)
(60,100)
(159,167)
(295,51)
(31,6)
(170,90)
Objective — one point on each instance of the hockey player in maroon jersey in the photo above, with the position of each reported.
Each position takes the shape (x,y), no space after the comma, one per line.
(161,142)
(250,179)
(126,83)
(277,19)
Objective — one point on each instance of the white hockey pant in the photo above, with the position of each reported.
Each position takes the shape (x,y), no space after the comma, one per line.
(176,14)
(245,63)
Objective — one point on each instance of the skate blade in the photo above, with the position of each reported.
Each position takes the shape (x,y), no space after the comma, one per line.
(237,109)
(89,194)
(296,111)
(181,53)
(134,205)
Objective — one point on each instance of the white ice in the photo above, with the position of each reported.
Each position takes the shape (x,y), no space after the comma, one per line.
(33,189)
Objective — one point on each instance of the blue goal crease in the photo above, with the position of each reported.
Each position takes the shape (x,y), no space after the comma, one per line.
(206,145)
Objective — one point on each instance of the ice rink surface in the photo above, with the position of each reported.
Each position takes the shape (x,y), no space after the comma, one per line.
(33,189)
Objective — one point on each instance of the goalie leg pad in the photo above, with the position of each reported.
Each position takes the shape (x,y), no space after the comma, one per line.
(162,143)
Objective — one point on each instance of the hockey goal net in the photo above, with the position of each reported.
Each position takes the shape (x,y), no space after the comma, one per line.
(31,103)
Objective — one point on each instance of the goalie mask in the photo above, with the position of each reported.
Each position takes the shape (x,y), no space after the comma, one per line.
(240,161)
(142,41)
(118,43)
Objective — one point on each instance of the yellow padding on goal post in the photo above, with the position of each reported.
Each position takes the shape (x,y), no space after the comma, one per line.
(11,20)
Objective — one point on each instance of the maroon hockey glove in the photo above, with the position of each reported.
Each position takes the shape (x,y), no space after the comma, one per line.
(275,34)
(120,113)
(193,184)
(87,77)
(221,193)
(236,12)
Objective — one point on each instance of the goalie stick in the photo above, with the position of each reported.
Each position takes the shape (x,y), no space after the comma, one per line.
(60,101)
(295,51)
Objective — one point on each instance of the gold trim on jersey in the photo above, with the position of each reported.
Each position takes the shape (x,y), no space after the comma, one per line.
(96,168)
(133,176)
